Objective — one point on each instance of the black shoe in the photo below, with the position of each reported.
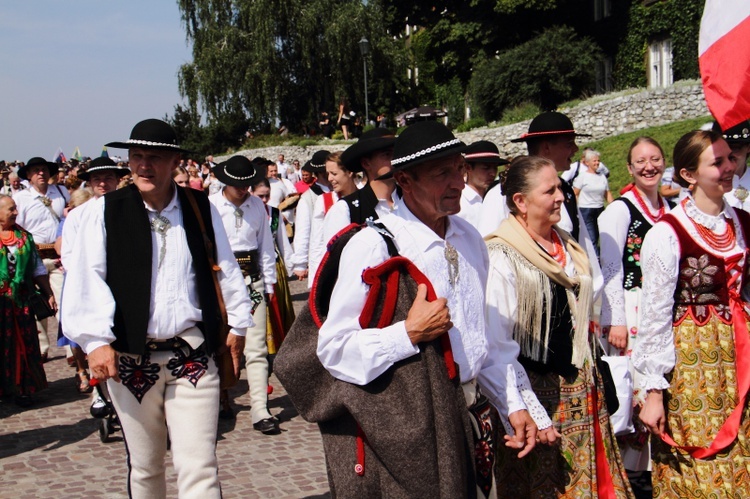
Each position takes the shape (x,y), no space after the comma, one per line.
(99,408)
(267,426)
(26,401)
(226,413)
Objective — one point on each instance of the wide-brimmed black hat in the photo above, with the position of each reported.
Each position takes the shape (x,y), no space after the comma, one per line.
(36,161)
(102,164)
(549,124)
(238,171)
(371,141)
(423,141)
(317,164)
(737,134)
(484,151)
(151,134)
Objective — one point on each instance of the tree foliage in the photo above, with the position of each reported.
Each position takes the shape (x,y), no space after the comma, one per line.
(554,67)
(286,60)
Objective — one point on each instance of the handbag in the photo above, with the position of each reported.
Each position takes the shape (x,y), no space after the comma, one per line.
(618,390)
(39,306)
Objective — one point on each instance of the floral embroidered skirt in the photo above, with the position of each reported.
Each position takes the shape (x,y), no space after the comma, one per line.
(702,394)
(567,470)
(21,370)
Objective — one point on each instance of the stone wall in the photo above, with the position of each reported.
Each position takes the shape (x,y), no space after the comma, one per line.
(621,113)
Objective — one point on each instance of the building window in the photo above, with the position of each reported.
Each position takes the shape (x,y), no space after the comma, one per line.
(604,76)
(602,9)
(660,63)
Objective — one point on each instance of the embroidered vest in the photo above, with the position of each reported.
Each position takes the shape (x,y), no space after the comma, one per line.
(129,254)
(701,286)
(362,205)
(631,256)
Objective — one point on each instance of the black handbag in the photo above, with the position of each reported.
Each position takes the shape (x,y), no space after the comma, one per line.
(39,306)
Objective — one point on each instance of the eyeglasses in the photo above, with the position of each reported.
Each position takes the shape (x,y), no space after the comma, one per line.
(654,161)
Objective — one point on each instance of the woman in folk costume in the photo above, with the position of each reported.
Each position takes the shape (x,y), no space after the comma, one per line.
(280,310)
(622,227)
(540,291)
(693,350)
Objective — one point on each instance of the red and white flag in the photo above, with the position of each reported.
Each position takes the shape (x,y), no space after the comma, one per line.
(724,56)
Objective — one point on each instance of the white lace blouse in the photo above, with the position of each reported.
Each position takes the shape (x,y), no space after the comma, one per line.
(654,353)
(613,234)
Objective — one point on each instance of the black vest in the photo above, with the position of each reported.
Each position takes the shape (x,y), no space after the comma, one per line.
(129,254)
(631,255)
(571,206)
(362,205)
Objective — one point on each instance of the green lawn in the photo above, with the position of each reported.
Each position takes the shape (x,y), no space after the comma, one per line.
(614,150)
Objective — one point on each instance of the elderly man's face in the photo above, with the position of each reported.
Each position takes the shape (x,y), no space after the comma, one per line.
(38,176)
(152,170)
(432,190)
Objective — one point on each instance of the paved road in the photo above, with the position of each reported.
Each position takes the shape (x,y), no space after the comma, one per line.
(53,450)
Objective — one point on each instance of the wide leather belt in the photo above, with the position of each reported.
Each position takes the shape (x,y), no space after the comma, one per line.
(47,251)
(248,262)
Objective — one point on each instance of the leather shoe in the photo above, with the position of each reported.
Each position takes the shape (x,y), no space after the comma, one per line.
(267,426)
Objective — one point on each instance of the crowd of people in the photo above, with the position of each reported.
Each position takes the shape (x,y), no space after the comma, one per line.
(459,316)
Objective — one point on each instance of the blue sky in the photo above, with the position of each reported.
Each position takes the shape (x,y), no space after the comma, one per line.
(83,72)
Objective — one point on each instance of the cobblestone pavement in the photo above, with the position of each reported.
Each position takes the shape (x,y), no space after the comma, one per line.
(53,449)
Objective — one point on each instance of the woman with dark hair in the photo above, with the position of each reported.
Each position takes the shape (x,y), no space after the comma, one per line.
(622,227)
(693,350)
(540,291)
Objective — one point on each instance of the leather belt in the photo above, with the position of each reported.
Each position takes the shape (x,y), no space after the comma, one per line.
(248,262)
(47,251)
(169,345)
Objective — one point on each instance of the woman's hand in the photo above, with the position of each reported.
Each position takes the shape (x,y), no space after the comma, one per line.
(548,436)
(617,336)
(52,302)
(652,414)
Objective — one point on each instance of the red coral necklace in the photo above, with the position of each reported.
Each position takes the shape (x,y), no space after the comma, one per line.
(645,209)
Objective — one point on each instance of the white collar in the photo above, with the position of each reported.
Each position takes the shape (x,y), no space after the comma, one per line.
(706,220)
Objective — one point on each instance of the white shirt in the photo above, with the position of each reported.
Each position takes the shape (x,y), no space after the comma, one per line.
(317,242)
(88,306)
(471,206)
(284,169)
(37,218)
(71,227)
(253,232)
(339,217)
(357,355)
(613,235)
(731,197)
(593,189)
(571,172)
(654,353)
(495,210)
(302,228)
(294,175)
(280,189)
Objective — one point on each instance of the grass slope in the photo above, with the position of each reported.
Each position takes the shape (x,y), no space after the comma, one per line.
(614,150)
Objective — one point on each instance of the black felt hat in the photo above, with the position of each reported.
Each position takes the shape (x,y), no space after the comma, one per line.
(36,161)
(423,141)
(549,124)
(102,164)
(238,171)
(484,151)
(737,134)
(317,164)
(371,141)
(151,134)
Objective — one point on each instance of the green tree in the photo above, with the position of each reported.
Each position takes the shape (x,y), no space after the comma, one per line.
(547,70)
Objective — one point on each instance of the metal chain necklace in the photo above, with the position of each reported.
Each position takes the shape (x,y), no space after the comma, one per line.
(160,225)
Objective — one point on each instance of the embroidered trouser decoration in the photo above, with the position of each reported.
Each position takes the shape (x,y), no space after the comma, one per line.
(255,297)
(138,376)
(484,443)
(191,366)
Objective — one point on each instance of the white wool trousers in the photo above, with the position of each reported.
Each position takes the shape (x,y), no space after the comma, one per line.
(256,356)
(56,278)
(179,400)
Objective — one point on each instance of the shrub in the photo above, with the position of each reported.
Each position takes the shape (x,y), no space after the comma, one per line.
(471,124)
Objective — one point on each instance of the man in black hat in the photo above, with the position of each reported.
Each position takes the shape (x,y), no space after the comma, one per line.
(738,138)
(246,223)
(390,361)
(371,154)
(482,161)
(141,302)
(40,209)
(316,167)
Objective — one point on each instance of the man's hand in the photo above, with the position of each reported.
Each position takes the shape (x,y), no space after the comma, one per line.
(617,336)
(52,303)
(427,320)
(525,432)
(236,345)
(103,363)
(301,274)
